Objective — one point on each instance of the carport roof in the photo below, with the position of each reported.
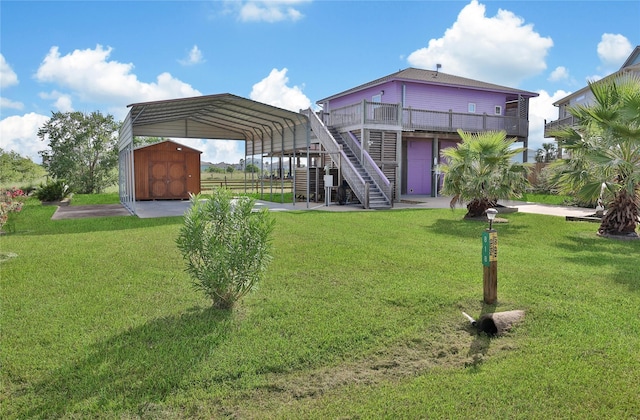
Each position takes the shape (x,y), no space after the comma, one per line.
(222,116)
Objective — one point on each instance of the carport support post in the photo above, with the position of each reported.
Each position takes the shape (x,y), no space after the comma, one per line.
(490,260)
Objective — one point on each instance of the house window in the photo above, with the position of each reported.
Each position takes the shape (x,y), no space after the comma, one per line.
(498,110)
(377,98)
(472,107)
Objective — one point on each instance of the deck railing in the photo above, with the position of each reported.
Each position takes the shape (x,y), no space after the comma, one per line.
(411,119)
(550,127)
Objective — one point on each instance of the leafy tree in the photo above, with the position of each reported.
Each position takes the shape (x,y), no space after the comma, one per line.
(252,168)
(481,170)
(143,141)
(226,245)
(605,151)
(16,168)
(230,169)
(83,150)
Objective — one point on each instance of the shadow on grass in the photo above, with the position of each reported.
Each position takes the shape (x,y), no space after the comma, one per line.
(131,370)
(595,251)
(480,345)
(464,228)
(97,224)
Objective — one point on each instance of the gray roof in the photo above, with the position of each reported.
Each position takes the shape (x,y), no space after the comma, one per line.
(222,116)
(412,74)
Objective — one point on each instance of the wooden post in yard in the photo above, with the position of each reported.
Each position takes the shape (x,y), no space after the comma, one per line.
(490,260)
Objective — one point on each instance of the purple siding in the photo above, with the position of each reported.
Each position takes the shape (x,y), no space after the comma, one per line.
(444,98)
(428,97)
(391,95)
(419,157)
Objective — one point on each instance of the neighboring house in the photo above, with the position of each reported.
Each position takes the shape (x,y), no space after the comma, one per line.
(585,97)
(396,127)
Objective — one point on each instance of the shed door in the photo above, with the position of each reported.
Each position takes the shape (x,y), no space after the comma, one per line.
(167,179)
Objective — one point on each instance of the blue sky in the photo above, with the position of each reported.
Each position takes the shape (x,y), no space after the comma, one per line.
(101,56)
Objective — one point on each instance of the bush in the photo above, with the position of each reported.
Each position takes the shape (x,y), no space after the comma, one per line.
(226,245)
(52,191)
(11,202)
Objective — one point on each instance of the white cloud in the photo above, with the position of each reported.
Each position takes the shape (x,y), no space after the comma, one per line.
(93,78)
(216,151)
(541,109)
(269,11)
(90,77)
(194,57)
(560,73)
(500,49)
(273,90)
(62,102)
(9,104)
(20,134)
(613,49)
(7,76)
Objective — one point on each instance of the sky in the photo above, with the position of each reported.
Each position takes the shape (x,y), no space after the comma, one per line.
(62,56)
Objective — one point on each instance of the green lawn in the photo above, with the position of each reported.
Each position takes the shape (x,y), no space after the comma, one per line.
(358,317)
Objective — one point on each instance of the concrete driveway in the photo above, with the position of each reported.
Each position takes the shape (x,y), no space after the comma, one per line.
(167,208)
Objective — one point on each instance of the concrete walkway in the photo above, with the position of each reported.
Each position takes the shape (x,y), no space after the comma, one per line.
(146,209)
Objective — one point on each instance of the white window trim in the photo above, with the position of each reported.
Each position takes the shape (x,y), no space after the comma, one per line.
(498,110)
(471,107)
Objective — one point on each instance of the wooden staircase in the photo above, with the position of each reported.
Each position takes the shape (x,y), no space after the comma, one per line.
(372,189)
(377,199)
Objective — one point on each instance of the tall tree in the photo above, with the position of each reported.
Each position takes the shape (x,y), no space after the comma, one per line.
(481,170)
(82,149)
(605,153)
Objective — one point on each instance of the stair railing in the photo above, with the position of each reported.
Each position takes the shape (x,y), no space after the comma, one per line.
(358,185)
(384,185)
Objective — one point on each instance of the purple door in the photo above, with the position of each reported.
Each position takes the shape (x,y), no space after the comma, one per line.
(419,156)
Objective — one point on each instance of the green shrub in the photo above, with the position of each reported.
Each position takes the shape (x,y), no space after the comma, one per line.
(226,245)
(52,191)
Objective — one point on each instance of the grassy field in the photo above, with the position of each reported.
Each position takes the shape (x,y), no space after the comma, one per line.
(358,317)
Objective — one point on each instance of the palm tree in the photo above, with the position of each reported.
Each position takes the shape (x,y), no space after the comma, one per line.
(605,153)
(547,153)
(481,170)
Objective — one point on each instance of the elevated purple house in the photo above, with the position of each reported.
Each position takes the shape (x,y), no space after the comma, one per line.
(385,136)
(382,138)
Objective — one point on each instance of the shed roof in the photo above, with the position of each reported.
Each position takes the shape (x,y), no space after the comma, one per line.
(222,116)
(436,78)
(166,142)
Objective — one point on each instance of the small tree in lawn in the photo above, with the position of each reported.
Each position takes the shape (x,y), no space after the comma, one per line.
(226,245)
(481,170)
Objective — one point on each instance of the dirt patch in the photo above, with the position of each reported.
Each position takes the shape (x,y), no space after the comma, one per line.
(454,344)
(97,210)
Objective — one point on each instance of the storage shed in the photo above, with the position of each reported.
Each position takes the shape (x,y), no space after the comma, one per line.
(166,171)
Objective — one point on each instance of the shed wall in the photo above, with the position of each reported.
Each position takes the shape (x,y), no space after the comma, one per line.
(164,172)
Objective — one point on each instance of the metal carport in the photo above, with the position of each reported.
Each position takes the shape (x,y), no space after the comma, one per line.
(265,129)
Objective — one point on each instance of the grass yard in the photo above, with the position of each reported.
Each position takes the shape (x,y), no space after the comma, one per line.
(358,317)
